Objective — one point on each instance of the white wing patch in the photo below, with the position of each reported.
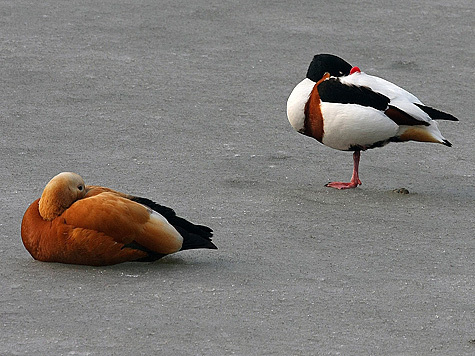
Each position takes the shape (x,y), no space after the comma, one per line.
(399,97)
(347,125)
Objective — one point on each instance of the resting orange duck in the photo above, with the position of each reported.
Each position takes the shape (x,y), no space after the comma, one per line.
(92,225)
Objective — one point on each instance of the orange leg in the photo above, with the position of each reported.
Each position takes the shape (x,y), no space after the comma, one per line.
(355,180)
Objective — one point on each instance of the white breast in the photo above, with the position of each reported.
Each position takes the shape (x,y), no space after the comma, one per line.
(297,101)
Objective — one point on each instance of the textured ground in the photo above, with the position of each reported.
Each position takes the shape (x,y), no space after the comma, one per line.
(184,102)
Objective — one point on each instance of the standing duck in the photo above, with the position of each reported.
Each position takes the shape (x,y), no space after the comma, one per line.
(92,225)
(349,110)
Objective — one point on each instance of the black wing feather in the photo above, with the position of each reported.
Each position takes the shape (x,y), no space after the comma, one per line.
(333,90)
(194,236)
(437,114)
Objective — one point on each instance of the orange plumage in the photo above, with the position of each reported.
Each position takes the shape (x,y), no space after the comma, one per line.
(92,225)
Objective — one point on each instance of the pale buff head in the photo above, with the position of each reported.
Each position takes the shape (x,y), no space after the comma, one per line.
(60,193)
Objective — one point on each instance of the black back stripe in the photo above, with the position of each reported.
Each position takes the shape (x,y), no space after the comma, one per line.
(334,91)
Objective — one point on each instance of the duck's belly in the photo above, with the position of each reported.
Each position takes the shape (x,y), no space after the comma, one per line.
(350,126)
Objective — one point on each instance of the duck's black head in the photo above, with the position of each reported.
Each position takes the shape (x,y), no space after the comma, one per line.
(327,63)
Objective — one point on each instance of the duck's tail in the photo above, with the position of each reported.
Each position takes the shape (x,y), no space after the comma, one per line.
(422,133)
(194,236)
(193,240)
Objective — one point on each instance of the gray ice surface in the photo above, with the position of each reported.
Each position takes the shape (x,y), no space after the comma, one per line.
(184,102)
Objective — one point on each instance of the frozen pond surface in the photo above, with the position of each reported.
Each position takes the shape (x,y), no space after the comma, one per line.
(184,103)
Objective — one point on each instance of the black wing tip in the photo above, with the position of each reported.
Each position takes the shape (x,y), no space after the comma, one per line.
(194,236)
(206,231)
(447,143)
(437,114)
(447,117)
(194,241)
(212,246)
(170,215)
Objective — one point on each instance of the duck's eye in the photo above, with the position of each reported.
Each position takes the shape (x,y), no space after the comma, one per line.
(80,187)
